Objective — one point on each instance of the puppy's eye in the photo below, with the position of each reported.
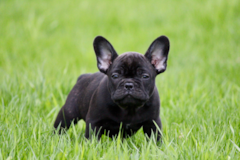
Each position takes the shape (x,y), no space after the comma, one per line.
(145,76)
(114,75)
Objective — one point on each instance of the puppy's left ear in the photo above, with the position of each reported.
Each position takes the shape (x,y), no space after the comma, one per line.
(105,53)
(157,53)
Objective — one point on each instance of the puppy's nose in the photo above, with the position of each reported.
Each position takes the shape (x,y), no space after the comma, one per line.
(128,86)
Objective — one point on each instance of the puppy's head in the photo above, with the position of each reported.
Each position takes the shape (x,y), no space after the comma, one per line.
(131,76)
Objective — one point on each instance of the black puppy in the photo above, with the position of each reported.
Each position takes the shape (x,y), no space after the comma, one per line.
(122,95)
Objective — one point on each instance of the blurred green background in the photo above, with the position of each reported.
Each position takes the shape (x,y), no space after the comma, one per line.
(56,33)
(46,45)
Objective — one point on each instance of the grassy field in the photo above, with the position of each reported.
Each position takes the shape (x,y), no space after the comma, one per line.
(46,45)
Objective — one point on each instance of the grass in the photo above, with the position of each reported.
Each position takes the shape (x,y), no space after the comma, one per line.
(46,45)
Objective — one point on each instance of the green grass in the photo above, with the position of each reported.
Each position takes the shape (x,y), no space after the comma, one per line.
(46,45)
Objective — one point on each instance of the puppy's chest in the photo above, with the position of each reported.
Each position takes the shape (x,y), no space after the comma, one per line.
(123,120)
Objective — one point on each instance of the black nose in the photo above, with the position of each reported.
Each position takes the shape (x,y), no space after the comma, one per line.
(128,86)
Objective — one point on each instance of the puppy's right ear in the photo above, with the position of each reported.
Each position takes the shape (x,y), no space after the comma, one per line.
(105,53)
(157,53)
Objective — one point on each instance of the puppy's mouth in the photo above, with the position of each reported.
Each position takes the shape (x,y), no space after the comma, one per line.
(130,99)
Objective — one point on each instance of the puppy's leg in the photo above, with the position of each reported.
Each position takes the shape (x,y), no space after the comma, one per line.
(91,129)
(152,128)
(70,111)
(65,117)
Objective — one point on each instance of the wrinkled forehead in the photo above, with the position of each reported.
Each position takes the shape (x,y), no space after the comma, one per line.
(131,60)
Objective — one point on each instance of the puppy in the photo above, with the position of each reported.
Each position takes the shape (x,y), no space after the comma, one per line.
(122,96)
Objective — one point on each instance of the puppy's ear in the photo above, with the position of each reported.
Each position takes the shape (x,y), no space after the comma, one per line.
(157,53)
(105,53)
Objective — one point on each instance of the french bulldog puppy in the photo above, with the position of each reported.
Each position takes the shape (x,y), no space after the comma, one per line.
(122,96)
